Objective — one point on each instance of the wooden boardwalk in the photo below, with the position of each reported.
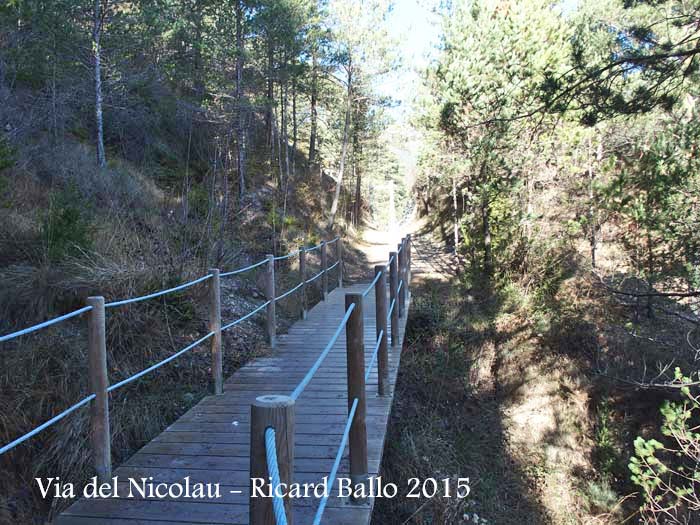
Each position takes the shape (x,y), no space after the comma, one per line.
(211,442)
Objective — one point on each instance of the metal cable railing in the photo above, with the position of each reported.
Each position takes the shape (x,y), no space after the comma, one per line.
(45,324)
(371,285)
(122,302)
(142,373)
(158,294)
(288,256)
(289,292)
(312,371)
(246,316)
(336,463)
(242,270)
(314,248)
(374,355)
(76,313)
(43,426)
(274,471)
(319,274)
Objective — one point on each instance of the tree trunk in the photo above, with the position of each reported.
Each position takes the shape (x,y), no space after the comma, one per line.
(591,199)
(97,58)
(270,96)
(197,73)
(314,113)
(454,213)
(294,127)
(358,194)
(344,152)
(240,126)
(285,131)
(486,224)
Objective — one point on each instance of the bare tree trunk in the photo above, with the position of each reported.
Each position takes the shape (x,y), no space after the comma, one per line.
(294,127)
(240,128)
(197,70)
(591,200)
(454,213)
(343,154)
(358,194)
(314,113)
(486,224)
(97,58)
(270,96)
(226,168)
(285,130)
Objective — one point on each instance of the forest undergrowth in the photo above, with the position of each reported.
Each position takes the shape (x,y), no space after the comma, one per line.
(505,384)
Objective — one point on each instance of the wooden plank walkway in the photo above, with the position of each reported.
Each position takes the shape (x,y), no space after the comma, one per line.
(211,442)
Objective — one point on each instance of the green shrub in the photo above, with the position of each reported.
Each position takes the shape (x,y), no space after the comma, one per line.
(669,472)
(605,444)
(7,154)
(66,228)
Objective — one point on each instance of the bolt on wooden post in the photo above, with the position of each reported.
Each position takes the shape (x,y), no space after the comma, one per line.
(270,295)
(401,301)
(394,297)
(98,383)
(354,332)
(276,412)
(339,249)
(302,272)
(215,326)
(382,328)
(324,269)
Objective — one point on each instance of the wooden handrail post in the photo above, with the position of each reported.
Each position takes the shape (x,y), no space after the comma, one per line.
(401,301)
(276,412)
(98,382)
(393,297)
(354,332)
(339,250)
(409,255)
(217,360)
(270,295)
(302,272)
(381,311)
(324,269)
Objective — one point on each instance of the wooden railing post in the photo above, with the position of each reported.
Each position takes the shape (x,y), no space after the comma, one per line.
(409,256)
(302,272)
(265,412)
(339,252)
(324,269)
(401,301)
(215,326)
(98,383)
(381,311)
(393,297)
(270,295)
(354,331)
